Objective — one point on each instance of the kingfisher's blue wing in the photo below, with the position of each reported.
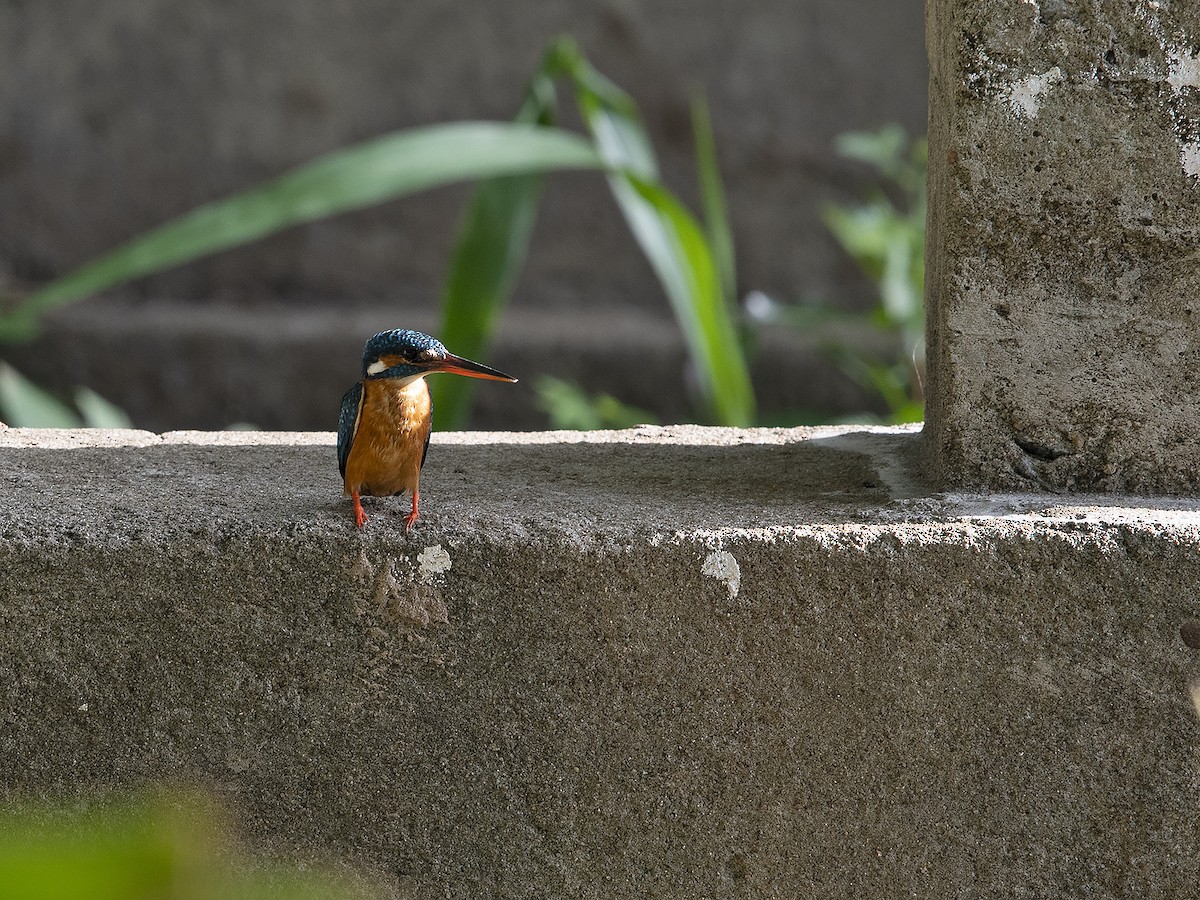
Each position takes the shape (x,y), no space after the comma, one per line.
(348,423)
(428,435)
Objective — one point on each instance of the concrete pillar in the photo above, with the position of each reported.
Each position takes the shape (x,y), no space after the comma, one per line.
(1064,227)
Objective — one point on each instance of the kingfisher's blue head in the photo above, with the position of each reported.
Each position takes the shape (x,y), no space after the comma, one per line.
(405,354)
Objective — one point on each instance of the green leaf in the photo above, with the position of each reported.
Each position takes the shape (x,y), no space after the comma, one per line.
(865,232)
(712,195)
(495,239)
(680,253)
(371,172)
(673,242)
(25,405)
(491,250)
(907,412)
(573,409)
(161,846)
(98,412)
(884,149)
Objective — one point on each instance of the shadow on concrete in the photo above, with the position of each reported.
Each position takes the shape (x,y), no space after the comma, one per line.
(510,477)
(665,480)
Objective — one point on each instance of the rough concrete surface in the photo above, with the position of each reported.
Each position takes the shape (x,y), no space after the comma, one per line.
(663,662)
(1063,273)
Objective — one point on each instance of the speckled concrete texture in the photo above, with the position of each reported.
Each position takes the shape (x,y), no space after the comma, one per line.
(1063,276)
(664,662)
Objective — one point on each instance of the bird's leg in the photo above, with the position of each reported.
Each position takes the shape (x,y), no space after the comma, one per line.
(360,517)
(412,516)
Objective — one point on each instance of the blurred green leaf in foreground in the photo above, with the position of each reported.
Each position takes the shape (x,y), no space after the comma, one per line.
(162,846)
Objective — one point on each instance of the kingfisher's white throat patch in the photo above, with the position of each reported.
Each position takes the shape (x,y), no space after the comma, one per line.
(379,366)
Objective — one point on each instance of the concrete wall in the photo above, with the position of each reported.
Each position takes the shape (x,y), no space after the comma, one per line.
(207,366)
(687,663)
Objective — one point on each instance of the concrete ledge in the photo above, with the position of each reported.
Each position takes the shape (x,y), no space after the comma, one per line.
(679,662)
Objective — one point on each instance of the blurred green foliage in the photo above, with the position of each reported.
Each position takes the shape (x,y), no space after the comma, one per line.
(689,259)
(570,408)
(25,405)
(694,260)
(510,159)
(161,846)
(384,168)
(885,235)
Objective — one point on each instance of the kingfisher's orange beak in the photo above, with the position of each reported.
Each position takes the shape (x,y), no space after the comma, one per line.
(456,365)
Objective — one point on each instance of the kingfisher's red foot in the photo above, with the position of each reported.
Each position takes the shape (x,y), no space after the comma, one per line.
(412,517)
(360,517)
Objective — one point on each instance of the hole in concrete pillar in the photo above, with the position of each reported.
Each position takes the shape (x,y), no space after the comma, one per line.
(1041,451)
(1190,632)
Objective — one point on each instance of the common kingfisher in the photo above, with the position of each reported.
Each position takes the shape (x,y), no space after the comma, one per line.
(386,419)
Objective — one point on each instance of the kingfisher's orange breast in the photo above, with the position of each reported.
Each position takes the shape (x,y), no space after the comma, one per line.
(389,441)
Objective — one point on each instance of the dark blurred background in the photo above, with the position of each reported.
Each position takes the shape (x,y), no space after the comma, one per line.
(116,115)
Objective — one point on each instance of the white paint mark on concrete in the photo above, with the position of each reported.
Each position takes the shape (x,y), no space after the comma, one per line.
(432,561)
(721,565)
(1025,96)
(1189,155)
(1147,11)
(1183,70)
